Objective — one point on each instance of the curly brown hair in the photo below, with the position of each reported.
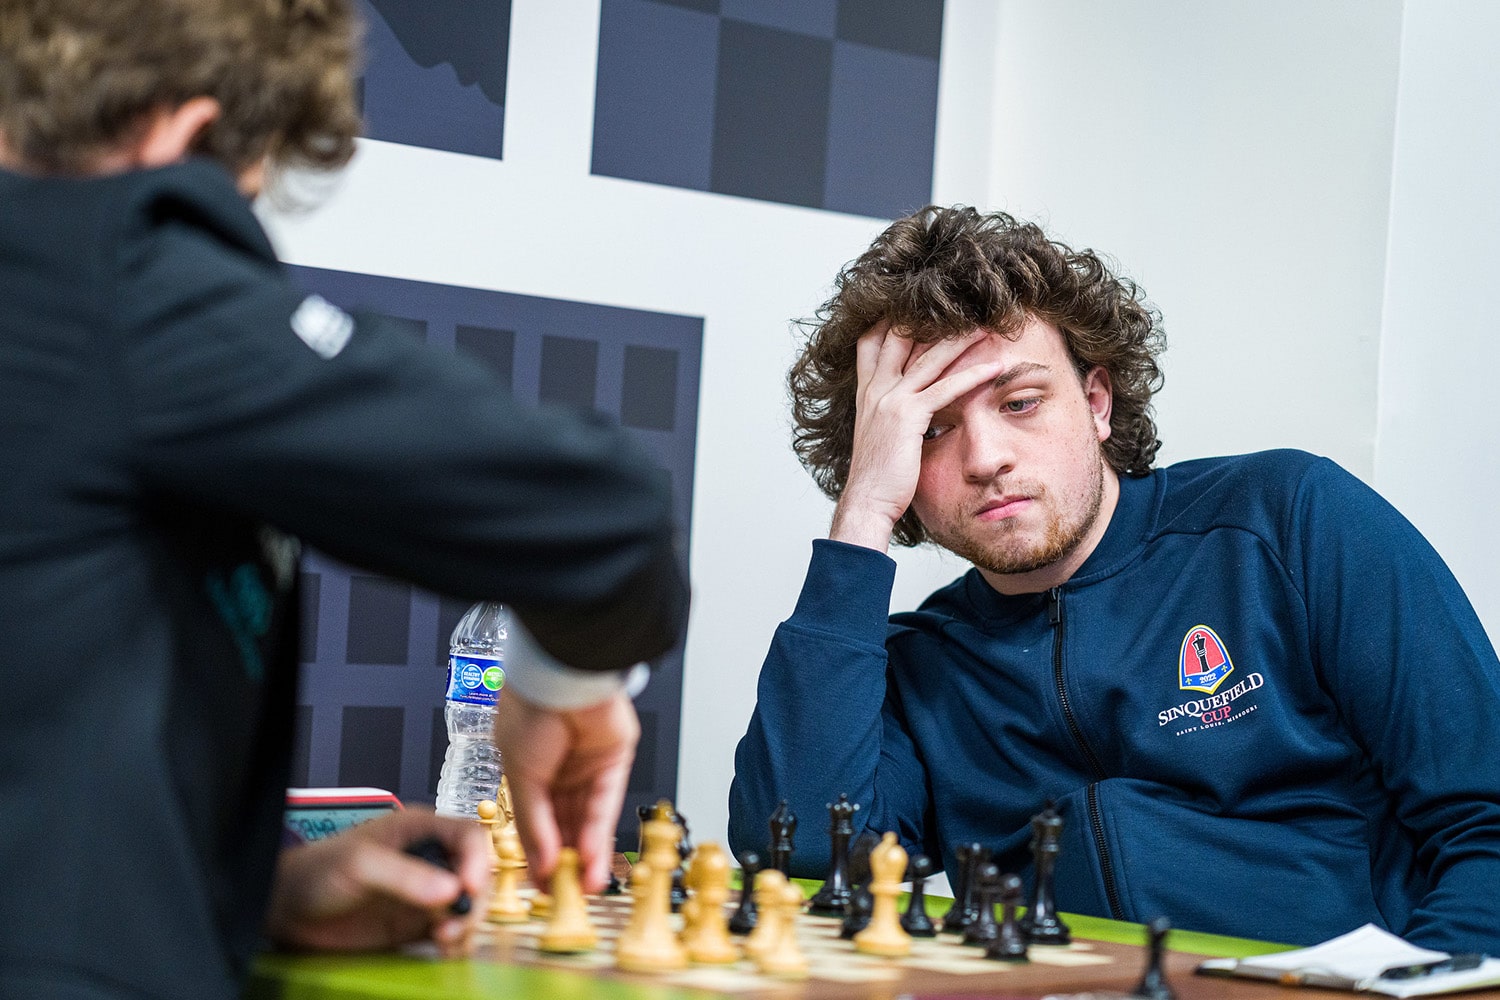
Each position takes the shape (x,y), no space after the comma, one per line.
(78,77)
(942,272)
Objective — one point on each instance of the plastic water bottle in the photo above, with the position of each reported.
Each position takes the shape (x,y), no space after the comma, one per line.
(476,672)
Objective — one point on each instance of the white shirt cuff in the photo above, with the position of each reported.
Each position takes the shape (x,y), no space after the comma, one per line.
(540,678)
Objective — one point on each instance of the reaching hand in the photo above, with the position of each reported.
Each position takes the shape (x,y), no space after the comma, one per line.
(568,770)
(359,890)
(901,386)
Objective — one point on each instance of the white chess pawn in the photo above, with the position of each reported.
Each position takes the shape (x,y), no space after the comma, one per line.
(707,934)
(569,931)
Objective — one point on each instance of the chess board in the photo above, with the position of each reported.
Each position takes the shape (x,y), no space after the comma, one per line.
(936,967)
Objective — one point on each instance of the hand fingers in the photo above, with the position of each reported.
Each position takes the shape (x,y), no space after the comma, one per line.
(386,871)
(867,350)
(945,390)
(596,833)
(929,361)
(466,844)
(536,822)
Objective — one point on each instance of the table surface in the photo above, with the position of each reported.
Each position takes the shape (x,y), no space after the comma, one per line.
(501,968)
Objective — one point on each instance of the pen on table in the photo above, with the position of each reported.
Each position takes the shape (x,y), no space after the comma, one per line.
(432,851)
(1453,963)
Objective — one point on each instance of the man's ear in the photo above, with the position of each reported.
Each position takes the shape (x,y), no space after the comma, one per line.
(1100,395)
(170,133)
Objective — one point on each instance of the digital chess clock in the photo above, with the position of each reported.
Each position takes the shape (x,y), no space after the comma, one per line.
(315,813)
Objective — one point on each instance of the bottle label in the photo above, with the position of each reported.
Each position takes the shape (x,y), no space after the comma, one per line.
(475,680)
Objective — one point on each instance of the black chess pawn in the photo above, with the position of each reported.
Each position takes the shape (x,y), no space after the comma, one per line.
(783,828)
(613,887)
(1042,924)
(964,911)
(745,915)
(1153,984)
(833,898)
(984,929)
(915,920)
(862,901)
(1010,944)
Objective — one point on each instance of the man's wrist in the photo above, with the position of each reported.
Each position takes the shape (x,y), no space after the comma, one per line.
(858,526)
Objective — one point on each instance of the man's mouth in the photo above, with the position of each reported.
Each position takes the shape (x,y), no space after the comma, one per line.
(1001,508)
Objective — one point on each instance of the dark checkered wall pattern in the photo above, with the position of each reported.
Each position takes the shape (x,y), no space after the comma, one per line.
(435,74)
(375,650)
(824,103)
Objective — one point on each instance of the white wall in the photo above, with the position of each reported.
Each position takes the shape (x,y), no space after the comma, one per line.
(1437,435)
(1235,159)
(1235,156)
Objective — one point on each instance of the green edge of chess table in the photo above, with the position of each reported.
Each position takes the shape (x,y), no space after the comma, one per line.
(280,976)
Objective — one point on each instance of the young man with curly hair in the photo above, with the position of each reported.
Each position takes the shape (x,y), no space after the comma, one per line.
(1257,697)
(174,415)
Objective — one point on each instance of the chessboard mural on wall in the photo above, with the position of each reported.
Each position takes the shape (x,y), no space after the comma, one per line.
(375,650)
(436,72)
(824,103)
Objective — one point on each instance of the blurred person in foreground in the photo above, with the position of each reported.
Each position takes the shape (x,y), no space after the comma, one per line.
(176,417)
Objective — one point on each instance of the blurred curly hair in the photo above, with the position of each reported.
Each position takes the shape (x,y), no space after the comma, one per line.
(942,272)
(79,77)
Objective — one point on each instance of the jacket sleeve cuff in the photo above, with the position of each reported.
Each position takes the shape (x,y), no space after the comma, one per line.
(545,681)
(847,591)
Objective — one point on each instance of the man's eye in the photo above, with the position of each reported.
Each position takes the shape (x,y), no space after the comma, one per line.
(1022,405)
(934,432)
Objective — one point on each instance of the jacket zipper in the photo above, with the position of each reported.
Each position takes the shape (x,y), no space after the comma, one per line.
(1106,867)
(1055,619)
(1096,822)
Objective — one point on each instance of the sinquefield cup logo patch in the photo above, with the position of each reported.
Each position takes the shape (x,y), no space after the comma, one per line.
(1203,665)
(1203,662)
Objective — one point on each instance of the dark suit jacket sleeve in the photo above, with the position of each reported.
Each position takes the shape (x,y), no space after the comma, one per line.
(390,455)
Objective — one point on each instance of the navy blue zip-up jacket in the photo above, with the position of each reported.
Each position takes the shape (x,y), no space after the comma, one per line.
(1263,706)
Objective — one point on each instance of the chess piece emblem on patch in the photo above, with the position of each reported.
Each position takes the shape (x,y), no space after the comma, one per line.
(1203,662)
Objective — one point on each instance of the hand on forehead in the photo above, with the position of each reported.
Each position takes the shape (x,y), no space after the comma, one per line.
(958,348)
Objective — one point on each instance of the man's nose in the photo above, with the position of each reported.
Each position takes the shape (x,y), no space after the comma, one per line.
(988,452)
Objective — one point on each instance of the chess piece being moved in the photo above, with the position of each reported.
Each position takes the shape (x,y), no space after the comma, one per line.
(648,943)
(832,900)
(506,904)
(1042,924)
(745,914)
(1010,944)
(706,936)
(884,935)
(915,920)
(783,829)
(568,931)
(1153,985)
